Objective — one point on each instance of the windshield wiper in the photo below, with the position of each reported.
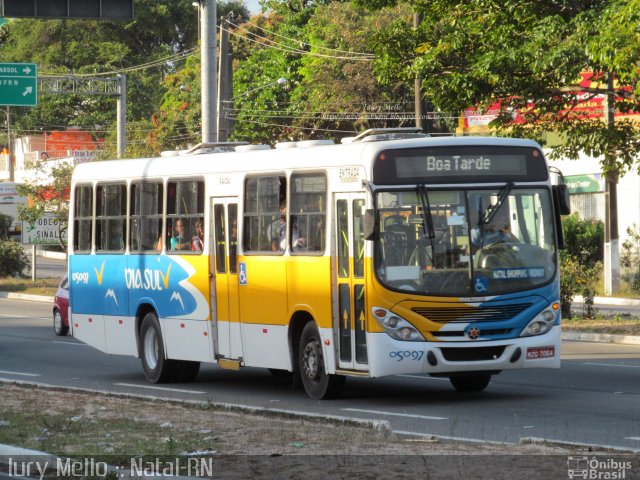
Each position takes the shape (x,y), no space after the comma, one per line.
(493,209)
(427,218)
(427,221)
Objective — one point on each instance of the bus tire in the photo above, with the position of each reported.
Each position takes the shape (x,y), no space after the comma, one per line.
(470,383)
(317,383)
(187,371)
(157,369)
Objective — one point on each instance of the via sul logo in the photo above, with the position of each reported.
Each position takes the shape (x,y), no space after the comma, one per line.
(147,279)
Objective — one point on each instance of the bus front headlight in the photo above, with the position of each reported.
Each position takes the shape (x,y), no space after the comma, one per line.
(542,322)
(395,326)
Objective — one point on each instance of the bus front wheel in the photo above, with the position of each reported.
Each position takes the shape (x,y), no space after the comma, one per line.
(470,383)
(317,383)
(157,369)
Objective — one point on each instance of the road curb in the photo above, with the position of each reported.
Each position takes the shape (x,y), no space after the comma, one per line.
(10,450)
(52,255)
(600,337)
(610,301)
(25,296)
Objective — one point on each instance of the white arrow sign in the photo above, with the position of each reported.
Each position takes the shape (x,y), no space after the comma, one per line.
(27,91)
(26,70)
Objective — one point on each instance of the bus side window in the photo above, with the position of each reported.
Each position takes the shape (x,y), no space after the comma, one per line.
(308,210)
(83,206)
(185,208)
(111,211)
(265,214)
(145,227)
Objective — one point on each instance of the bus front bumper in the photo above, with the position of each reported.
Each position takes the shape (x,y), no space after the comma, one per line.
(388,356)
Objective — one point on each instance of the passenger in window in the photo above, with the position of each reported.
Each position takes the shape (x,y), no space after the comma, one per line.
(181,240)
(197,242)
(277,231)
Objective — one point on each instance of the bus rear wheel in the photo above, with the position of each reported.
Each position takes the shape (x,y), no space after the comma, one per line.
(317,383)
(470,383)
(157,369)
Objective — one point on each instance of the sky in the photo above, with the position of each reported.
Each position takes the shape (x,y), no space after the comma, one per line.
(252,5)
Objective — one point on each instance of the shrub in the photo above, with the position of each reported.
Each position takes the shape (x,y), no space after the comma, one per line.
(580,262)
(13,259)
(577,279)
(583,239)
(630,258)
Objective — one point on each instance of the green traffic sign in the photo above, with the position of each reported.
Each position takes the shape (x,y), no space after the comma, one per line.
(18,84)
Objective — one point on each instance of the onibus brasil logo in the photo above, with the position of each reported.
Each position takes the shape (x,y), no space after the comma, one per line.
(597,468)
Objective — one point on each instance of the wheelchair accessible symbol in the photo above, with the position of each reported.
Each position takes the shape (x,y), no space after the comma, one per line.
(481,284)
(242,274)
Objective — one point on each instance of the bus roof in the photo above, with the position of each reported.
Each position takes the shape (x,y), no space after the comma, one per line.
(276,159)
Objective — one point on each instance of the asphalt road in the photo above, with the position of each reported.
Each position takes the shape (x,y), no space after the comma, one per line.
(593,399)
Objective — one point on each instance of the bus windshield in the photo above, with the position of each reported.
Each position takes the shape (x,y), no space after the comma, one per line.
(465,242)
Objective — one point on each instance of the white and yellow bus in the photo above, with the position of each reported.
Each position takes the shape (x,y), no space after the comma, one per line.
(391,253)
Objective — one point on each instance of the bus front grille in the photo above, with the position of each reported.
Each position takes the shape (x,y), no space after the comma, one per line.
(494,313)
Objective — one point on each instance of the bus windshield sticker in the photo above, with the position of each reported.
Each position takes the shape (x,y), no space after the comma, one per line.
(518,273)
(481,284)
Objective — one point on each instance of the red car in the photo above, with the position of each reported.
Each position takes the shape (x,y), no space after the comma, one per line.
(61,308)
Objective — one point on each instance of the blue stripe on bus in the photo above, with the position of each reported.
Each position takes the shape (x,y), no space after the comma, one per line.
(117,284)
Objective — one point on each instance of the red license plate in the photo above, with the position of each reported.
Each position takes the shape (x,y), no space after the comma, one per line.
(540,352)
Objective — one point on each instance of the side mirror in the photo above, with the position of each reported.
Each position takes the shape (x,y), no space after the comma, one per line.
(561,198)
(369,222)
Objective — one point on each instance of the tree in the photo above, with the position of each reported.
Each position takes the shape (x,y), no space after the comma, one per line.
(323,50)
(160,29)
(47,192)
(338,92)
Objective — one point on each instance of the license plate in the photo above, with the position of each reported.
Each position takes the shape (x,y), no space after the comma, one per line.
(540,352)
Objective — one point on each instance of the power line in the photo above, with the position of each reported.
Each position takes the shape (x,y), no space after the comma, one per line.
(295,127)
(369,55)
(144,66)
(288,49)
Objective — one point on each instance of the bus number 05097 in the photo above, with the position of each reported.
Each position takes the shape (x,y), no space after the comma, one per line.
(406,354)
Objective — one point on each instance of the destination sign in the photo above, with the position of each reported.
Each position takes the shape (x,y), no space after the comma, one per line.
(473,164)
(461,163)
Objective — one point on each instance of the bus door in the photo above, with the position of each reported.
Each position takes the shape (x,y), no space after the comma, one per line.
(349,312)
(224,288)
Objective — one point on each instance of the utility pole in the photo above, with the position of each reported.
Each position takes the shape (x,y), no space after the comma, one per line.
(121,113)
(209,70)
(225,85)
(611,237)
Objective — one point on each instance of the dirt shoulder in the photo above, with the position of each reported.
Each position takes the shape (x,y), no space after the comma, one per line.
(76,424)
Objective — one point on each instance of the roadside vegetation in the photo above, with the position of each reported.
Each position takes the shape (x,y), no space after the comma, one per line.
(580,263)
(42,286)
